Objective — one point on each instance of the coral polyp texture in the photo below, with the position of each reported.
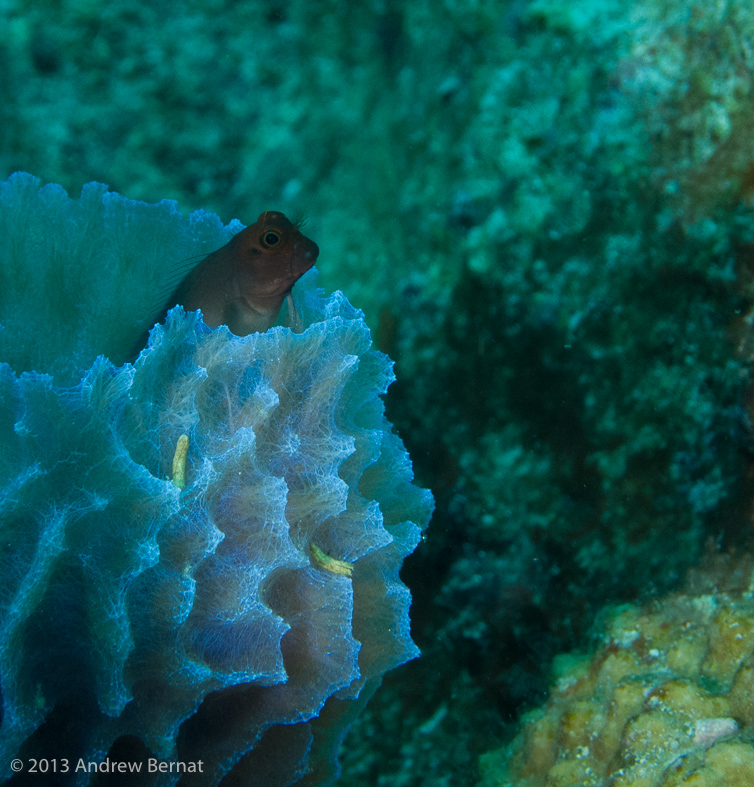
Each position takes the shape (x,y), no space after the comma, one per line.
(668,700)
(216,622)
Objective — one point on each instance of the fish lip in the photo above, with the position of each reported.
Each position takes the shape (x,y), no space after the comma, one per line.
(309,255)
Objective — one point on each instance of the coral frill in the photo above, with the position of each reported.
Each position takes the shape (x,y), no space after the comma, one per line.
(196,622)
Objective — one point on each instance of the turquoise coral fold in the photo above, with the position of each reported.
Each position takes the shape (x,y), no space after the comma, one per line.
(195,621)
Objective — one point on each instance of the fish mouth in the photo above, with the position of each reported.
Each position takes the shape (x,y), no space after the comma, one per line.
(312,252)
(307,256)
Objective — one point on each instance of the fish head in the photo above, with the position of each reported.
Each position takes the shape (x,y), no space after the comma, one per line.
(271,256)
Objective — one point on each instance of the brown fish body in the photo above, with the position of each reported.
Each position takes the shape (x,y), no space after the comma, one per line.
(243,284)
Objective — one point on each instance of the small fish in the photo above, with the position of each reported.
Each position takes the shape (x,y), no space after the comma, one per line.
(243,284)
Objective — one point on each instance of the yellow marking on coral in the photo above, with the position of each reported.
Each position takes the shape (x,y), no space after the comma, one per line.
(179,462)
(331,564)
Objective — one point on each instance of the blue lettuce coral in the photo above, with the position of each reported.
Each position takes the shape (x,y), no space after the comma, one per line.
(202,623)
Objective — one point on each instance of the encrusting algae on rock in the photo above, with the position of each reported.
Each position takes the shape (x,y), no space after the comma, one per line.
(667,700)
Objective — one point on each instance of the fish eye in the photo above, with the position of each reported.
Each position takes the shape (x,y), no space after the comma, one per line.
(270,238)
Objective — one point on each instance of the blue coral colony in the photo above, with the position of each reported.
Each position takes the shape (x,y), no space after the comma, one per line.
(200,549)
